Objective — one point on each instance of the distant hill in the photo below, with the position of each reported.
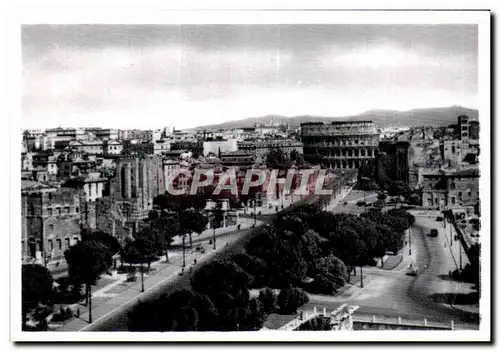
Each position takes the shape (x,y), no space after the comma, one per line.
(437,116)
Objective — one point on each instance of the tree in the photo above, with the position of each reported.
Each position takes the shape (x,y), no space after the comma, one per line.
(170,312)
(290,299)
(252,316)
(36,288)
(87,260)
(194,221)
(330,265)
(254,266)
(221,276)
(109,241)
(165,227)
(207,312)
(216,221)
(398,188)
(325,284)
(268,299)
(297,157)
(277,159)
(381,197)
(145,242)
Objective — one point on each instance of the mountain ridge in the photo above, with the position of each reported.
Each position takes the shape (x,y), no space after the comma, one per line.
(431,116)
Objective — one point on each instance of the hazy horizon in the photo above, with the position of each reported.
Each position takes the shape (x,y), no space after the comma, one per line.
(151,76)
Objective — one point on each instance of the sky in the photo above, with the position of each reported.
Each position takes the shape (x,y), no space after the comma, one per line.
(152,76)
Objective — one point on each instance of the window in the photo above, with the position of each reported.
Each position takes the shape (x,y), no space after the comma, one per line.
(67,243)
(453,200)
(59,211)
(59,244)
(51,228)
(49,211)
(77,209)
(66,209)
(51,245)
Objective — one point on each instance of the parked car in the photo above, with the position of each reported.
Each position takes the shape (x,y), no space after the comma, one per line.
(434,233)
(412,269)
(439,219)
(131,277)
(200,249)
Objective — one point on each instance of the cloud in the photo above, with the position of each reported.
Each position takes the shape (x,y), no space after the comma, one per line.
(143,75)
(378,57)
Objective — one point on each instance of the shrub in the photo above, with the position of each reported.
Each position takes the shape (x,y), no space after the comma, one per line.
(289,300)
(268,299)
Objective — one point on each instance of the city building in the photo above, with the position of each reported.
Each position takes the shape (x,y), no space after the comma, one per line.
(135,134)
(73,164)
(445,189)
(137,182)
(113,147)
(392,161)
(270,128)
(27,161)
(240,159)
(92,185)
(137,146)
(343,144)
(392,132)
(196,147)
(161,146)
(103,133)
(219,145)
(170,167)
(91,147)
(261,147)
(50,220)
(474,130)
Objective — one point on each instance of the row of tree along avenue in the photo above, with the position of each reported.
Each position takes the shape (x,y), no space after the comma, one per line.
(87,261)
(95,255)
(305,249)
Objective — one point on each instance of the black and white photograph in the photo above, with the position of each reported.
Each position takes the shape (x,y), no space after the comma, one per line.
(246,176)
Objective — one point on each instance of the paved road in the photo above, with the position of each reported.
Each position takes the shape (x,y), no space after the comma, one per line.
(394,293)
(116,320)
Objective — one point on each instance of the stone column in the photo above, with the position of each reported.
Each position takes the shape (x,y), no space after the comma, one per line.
(126,181)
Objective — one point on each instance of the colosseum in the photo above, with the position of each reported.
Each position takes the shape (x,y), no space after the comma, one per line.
(344,144)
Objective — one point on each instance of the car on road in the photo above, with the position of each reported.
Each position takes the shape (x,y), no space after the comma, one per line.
(200,249)
(439,219)
(412,269)
(434,233)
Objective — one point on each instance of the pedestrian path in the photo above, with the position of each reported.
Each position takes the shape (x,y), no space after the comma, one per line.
(121,293)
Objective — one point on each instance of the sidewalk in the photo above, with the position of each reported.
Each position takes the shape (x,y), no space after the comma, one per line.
(209,233)
(453,247)
(449,260)
(121,293)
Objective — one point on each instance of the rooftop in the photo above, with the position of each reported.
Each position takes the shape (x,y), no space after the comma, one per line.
(28,185)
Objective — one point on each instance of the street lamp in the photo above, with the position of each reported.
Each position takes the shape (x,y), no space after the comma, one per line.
(361,268)
(409,240)
(142,275)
